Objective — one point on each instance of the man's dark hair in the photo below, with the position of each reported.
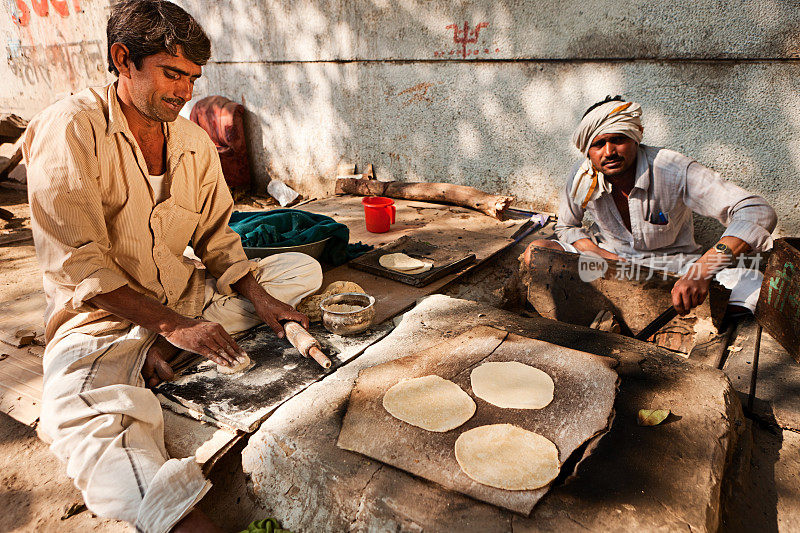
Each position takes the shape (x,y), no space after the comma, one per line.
(605,100)
(147,27)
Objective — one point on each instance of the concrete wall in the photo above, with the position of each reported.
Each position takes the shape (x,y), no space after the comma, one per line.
(393,83)
(52,48)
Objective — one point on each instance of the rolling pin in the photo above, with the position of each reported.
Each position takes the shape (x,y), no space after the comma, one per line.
(305,343)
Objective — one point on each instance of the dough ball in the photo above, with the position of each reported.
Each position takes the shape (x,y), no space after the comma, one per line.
(400,262)
(512,385)
(429,402)
(236,368)
(507,457)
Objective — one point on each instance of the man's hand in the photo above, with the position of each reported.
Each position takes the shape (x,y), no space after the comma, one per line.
(275,311)
(586,246)
(691,290)
(208,339)
(271,310)
(198,336)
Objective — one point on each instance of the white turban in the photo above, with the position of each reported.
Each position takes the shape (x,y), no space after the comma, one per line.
(611,117)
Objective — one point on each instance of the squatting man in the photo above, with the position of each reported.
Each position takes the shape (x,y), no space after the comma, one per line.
(642,198)
(119,185)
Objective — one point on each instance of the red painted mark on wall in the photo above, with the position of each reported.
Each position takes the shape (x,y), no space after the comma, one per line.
(465,36)
(417,93)
(59,65)
(22,17)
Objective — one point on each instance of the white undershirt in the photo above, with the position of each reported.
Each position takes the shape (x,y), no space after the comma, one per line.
(159,191)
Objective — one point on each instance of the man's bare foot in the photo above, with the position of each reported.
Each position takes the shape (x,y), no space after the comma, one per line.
(156,363)
(196,522)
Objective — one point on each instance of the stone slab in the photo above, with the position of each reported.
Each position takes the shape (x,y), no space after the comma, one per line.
(585,387)
(635,478)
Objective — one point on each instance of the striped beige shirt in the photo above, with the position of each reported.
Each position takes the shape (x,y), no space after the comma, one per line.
(96,223)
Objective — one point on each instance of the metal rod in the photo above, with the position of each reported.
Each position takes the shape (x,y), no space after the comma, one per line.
(754,375)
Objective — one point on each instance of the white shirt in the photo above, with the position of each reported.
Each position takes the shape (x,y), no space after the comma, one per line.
(668,188)
(160,193)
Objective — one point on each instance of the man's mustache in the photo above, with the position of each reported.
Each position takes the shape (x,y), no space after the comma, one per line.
(175,101)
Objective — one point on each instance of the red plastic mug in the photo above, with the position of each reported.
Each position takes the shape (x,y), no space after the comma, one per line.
(379,213)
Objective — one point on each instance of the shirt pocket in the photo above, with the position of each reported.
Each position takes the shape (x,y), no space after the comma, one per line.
(657,236)
(179,227)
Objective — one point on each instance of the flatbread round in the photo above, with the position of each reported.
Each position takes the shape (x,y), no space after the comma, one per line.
(507,457)
(400,262)
(429,402)
(512,385)
(420,270)
(236,368)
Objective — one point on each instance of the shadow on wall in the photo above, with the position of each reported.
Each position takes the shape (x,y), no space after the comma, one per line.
(319,92)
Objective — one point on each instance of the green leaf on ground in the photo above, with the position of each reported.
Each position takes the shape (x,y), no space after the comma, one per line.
(652,417)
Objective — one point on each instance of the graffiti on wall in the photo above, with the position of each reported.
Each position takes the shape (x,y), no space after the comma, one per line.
(52,65)
(467,40)
(22,14)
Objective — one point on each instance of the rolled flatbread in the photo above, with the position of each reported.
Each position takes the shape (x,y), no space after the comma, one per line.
(507,457)
(429,402)
(512,385)
(403,263)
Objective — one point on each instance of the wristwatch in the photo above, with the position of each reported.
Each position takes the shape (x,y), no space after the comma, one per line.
(724,249)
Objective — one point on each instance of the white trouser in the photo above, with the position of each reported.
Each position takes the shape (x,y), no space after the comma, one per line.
(109,429)
(744,283)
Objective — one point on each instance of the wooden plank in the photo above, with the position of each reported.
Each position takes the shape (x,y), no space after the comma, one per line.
(20,384)
(26,312)
(778,308)
(411,216)
(187,437)
(714,351)
(581,408)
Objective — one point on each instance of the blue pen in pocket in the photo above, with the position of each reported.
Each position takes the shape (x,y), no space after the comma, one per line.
(659,219)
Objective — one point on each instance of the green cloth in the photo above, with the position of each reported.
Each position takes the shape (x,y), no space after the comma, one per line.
(293,227)
(268,525)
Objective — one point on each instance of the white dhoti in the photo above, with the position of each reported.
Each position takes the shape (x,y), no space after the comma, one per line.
(108,428)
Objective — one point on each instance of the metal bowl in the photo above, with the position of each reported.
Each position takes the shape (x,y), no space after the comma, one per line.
(314,249)
(348,322)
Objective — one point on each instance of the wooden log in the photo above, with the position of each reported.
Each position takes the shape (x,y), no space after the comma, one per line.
(7,165)
(460,195)
(11,127)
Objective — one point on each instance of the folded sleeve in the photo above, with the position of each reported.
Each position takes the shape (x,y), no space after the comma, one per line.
(214,242)
(67,216)
(569,227)
(745,215)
